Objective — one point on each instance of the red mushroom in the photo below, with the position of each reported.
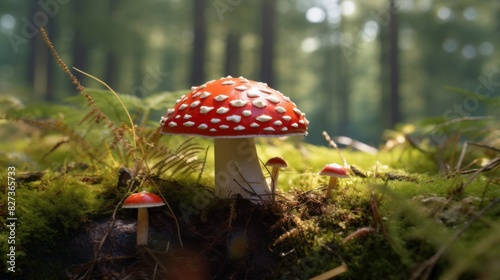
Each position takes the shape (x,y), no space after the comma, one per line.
(142,201)
(234,111)
(334,171)
(276,163)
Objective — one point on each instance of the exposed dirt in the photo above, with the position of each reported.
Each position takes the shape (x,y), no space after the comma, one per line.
(224,239)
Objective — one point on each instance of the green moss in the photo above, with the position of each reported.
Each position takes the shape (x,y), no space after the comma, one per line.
(420,210)
(49,211)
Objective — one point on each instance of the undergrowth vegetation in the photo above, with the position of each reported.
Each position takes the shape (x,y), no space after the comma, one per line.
(422,207)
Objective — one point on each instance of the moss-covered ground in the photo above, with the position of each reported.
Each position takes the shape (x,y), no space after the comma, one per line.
(406,212)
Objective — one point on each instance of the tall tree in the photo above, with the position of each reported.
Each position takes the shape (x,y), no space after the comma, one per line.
(199,43)
(79,49)
(268,39)
(232,60)
(111,63)
(394,64)
(41,72)
(384,78)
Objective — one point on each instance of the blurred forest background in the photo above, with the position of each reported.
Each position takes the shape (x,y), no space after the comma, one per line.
(355,67)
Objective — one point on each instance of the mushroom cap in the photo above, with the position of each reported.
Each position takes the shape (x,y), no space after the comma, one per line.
(276,162)
(143,200)
(334,170)
(234,107)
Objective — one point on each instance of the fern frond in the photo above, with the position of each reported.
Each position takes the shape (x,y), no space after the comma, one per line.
(180,162)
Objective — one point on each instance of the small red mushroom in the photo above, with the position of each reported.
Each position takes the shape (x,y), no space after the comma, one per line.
(334,171)
(142,201)
(233,111)
(276,163)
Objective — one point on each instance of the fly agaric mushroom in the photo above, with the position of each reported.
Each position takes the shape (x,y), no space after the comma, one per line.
(233,111)
(334,171)
(276,163)
(142,201)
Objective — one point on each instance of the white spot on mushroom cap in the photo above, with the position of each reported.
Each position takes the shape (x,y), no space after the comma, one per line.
(213,130)
(273,99)
(205,94)
(302,122)
(221,97)
(278,123)
(269,129)
(187,116)
(254,125)
(241,88)
(193,88)
(252,93)
(239,127)
(265,90)
(205,109)
(259,103)
(264,118)
(195,103)
(246,113)
(284,129)
(294,125)
(203,126)
(215,120)
(228,83)
(238,103)
(222,110)
(172,124)
(177,117)
(286,118)
(183,106)
(196,94)
(223,126)
(234,118)
(280,109)
(297,111)
(188,124)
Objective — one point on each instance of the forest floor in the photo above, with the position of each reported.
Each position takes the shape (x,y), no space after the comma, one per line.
(409,211)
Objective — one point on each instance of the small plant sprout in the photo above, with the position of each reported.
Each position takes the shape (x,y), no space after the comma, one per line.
(334,171)
(234,111)
(142,201)
(276,163)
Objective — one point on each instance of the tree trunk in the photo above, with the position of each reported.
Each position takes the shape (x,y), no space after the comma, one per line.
(384,79)
(342,90)
(111,64)
(393,57)
(268,39)
(199,43)
(50,88)
(37,59)
(111,69)
(232,63)
(79,50)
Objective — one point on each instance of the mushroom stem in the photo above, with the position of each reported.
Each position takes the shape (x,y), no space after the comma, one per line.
(332,183)
(237,169)
(274,180)
(142,226)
